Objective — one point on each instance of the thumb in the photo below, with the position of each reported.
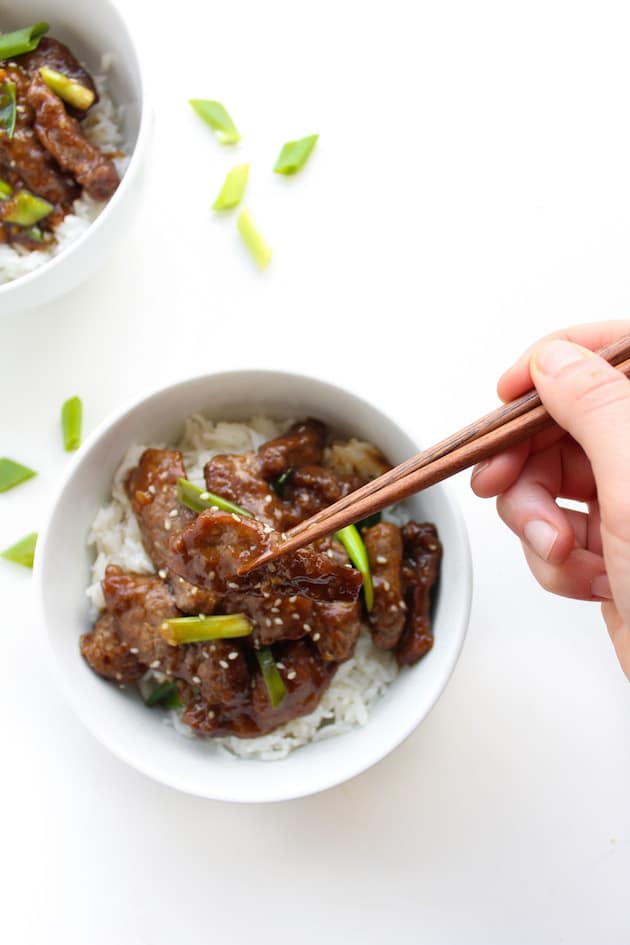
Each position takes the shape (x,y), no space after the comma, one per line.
(591,400)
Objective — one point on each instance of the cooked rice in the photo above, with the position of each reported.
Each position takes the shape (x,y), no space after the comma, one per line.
(102,126)
(115,537)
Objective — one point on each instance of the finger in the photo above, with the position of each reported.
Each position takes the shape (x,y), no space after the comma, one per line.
(619,634)
(497,474)
(579,576)
(591,400)
(517,379)
(563,469)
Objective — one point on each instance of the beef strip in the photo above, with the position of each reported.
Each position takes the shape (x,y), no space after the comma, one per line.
(238,479)
(25,158)
(301,445)
(306,676)
(108,655)
(274,618)
(384,546)
(308,490)
(50,52)
(335,629)
(141,603)
(152,490)
(62,136)
(422,555)
(210,551)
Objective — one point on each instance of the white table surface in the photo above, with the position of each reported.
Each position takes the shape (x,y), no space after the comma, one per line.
(470,191)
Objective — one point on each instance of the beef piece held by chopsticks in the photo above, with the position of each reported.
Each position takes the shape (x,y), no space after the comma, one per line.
(210,552)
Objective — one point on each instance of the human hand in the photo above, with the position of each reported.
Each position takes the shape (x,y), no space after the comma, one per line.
(585,555)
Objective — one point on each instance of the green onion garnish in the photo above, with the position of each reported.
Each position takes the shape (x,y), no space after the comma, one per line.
(199,499)
(357,552)
(71,420)
(253,240)
(166,694)
(5,189)
(8,108)
(274,682)
(22,552)
(68,89)
(233,188)
(278,484)
(12,474)
(35,234)
(27,209)
(294,155)
(180,630)
(21,41)
(215,115)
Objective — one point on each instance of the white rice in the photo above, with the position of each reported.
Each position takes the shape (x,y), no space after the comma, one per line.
(102,127)
(115,538)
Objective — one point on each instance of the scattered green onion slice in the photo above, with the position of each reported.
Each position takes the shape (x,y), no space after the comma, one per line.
(5,189)
(278,484)
(357,552)
(71,420)
(215,115)
(199,499)
(370,521)
(21,41)
(35,234)
(294,155)
(12,474)
(274,682)
(27,209)
(253,240)
(165,694)
(8,108)
(180,630)
(68,89)
(22,552)
(233,188)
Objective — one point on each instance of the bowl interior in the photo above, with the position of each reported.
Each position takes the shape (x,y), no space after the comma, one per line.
(117,717)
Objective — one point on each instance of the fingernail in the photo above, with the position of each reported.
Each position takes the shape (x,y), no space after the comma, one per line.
(479,468)
(600,587)
(541,537)
(556,355)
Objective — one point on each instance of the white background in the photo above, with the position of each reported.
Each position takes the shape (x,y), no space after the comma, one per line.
(470,192)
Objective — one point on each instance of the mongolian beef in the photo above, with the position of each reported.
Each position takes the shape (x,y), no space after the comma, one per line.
(47,161)
(242,655)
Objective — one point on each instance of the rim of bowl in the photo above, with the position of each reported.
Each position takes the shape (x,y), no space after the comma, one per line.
(319,783)
(130,174)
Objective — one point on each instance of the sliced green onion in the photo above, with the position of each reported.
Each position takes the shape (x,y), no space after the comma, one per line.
(68,89)
(370,521)
(21,41)
(35,234)
(27,209)
(22,552)
(71,420)
(5,189)
(180,630)
(278,484)
(215,115)
(12,474)
(199,499)
(233,188)
(294,155)
(253,240)
(357,552)
(166,694)
(274,682)
(8,108)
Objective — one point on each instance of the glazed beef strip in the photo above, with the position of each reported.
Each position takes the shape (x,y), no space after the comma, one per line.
(108,654)
(50,52)
(422,556)
(384,546)
(238,479)
(152,490)
(308,490)
(301,445)
(62,136)
(210,551)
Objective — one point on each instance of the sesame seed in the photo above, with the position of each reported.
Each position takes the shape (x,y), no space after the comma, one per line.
(154,664)
(164,626)
(201,616)
(277,513)
(232,585)
(266,593)
(307,628)
(295,616)
(214,508)
(162,573)
(293,599)
(278,621)
(195,591)
(274,610)
(204,496)
(167,525)
(268,621)
(291,674)
(277,602)
(119,676)
(210,714)
(196,680)
(267,529)
(205,654)
(134,650)
(233,655)
(386,585)
(173,513)
(280,665)
(268,499)
(402,605)
(271,568)
(213,647)
(223,664)
(151,489)
(211,576)
(283,535)
(394,608)
(381,559)
(316,637)
(348,566)
(164,488)
(236,517)
(330,553)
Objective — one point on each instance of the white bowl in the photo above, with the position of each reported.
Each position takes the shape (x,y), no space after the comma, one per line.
(118,718)
(89,29)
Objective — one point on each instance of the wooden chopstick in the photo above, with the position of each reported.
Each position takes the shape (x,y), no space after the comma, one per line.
(510,424)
